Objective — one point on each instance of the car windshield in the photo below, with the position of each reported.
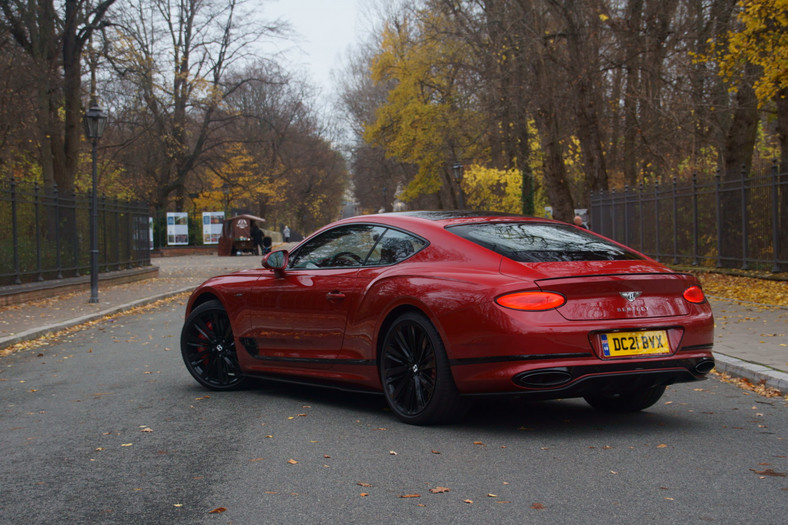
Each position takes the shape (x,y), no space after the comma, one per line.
(542,242)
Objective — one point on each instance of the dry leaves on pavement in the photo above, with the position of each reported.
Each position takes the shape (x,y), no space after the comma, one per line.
(749,289)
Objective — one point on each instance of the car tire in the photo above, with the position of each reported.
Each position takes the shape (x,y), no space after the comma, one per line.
(415,373)
(208,348)
(627,401)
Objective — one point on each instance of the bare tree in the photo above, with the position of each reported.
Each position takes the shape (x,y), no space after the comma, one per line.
(175,59)
(55,40)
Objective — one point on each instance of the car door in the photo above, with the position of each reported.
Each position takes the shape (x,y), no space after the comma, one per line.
(297,319)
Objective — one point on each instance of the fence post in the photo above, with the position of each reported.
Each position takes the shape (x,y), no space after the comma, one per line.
(744,265)
(613,213)
(14,232)
(59,262)
(36,210)
(75,241)
(675,223)
(103,208)
(116,214)
(129,237)
(719,217)
(694,219)
(776,218)
(640,216)
(656,216)
(626,214)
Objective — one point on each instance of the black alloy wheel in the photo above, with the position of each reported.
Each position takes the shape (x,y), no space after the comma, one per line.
(415,373)
(208,348)
(627,401)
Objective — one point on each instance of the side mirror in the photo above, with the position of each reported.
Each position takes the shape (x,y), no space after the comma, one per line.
(276,261)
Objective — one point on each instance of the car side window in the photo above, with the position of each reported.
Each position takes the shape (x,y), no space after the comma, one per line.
(395,246)
(343,247)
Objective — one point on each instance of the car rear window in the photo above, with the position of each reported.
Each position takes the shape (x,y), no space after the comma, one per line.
(542,242)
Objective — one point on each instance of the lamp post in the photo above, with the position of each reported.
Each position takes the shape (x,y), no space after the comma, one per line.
(457,170)
(95,120)
(226,191)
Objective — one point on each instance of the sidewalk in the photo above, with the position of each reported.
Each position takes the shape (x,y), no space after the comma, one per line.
(751,340)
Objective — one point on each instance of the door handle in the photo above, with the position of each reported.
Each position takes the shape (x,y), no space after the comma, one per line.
(335,296)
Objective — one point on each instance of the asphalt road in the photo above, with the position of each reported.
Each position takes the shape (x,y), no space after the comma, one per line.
(106,426)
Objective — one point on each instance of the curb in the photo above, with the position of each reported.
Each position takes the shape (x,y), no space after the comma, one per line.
(35,333)
(753,372)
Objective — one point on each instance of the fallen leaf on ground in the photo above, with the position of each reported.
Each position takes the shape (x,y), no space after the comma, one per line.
(410,495)
(769,472)
(440,490)
(218,510)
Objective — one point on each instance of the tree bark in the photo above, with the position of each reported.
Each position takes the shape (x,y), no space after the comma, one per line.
(737,162)
(782,132)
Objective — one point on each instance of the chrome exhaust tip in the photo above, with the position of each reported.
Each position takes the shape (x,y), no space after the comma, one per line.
(704,367)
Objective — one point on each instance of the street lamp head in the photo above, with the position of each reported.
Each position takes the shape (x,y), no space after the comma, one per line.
(457,168)
(95,120)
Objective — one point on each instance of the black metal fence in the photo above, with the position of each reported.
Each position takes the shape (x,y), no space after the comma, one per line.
(724,223)
(45,234)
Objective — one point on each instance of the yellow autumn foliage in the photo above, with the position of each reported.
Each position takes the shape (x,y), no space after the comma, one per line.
(247,184)
(761,40)
(491,189)
(423,121)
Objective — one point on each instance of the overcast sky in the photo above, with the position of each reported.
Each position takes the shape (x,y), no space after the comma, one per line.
(324,29)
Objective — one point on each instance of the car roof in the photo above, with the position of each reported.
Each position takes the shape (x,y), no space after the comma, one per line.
(440,219)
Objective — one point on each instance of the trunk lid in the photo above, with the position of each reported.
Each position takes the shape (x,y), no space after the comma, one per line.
(620,296)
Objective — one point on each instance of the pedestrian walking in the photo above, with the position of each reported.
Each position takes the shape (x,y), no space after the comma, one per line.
(257,239)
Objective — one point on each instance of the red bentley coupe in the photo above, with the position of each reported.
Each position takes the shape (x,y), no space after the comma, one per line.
(431,307)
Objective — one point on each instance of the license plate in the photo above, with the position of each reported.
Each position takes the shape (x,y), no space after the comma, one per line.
(652,342)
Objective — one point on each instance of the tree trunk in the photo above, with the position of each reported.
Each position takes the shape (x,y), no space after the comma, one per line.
(782,132)
(737,155)
(558,194)
(583,34)
(72,97)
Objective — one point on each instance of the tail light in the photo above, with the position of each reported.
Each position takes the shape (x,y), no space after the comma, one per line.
(531,301)
(694,294)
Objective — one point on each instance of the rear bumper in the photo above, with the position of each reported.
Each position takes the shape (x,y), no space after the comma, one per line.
(580,379)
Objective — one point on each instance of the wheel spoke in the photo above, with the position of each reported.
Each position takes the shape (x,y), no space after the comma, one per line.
(201,330)
(404,346)
(221,371)
(420,394)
